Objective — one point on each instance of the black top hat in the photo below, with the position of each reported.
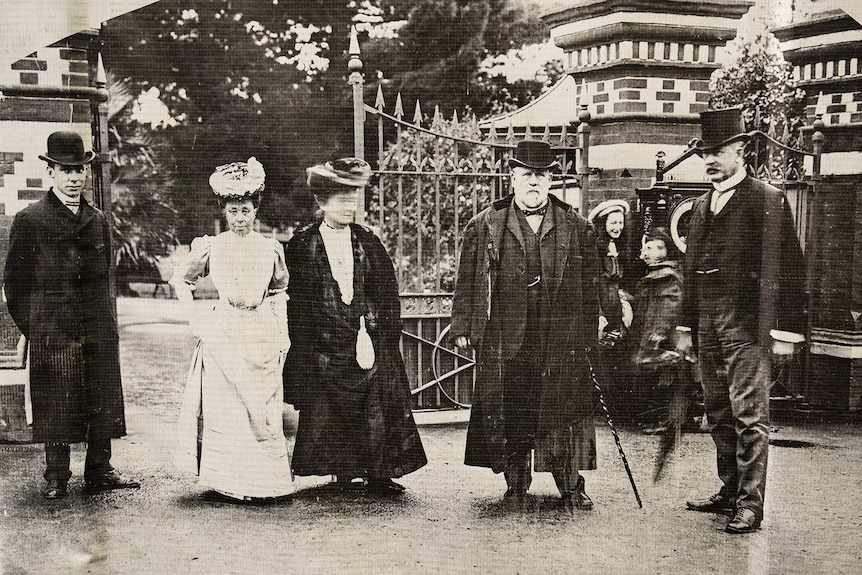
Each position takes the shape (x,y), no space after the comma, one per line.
(533,154)
(67,149)
(720,127)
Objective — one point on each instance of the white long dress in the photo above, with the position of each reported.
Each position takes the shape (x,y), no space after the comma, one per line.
(231,432)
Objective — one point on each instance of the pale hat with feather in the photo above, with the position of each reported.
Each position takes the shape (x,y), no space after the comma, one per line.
(238,180)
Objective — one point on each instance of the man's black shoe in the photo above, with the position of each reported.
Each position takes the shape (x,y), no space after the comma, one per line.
(718,503)
(512,492)
(744,521)
(56,489)
(110,480)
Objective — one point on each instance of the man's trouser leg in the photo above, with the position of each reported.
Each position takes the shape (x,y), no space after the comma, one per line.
(719,415)
(521,380)
(749,377)
(735,377)
(518,472)
(566,478)
(57,460)
(98,460)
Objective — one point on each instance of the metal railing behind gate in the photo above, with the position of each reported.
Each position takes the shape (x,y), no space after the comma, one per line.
(432,176)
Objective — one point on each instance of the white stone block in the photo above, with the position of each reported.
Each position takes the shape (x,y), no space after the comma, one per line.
(626,49)
(688,53)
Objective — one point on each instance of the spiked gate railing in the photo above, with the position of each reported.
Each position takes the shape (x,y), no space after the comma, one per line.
(430,179)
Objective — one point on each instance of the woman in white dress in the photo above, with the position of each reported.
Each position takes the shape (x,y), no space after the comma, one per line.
(231,433)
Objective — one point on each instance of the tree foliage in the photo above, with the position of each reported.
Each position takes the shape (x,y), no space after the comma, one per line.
(759,79)
(436,55)
(144,219)
(269,79)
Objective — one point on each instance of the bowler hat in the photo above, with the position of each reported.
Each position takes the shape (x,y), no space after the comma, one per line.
(67,149)
(344,172)
(533,154)
(720,127)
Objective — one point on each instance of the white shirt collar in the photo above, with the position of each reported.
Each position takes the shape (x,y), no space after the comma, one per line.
(730,182)
(64,198)
(330,231)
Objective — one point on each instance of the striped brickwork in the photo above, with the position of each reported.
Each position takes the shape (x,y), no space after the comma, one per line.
(655,96)
(825,52)
(54,66)
(26,122)
(652,51)
(836,108)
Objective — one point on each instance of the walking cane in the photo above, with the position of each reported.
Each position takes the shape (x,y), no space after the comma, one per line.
(614,432)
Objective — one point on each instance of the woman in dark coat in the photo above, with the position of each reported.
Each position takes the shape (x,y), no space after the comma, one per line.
(344,372)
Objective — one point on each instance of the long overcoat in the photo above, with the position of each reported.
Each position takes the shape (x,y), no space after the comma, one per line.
(58,293)
(319,373)
(569,272)
(759,259)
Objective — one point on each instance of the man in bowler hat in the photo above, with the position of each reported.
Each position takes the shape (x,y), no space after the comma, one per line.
(742,309)
(58,294)
(526,301)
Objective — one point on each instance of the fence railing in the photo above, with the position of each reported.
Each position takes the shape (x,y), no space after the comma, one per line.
(432,176)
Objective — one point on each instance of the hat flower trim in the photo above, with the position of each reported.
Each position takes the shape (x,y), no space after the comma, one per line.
(238,179)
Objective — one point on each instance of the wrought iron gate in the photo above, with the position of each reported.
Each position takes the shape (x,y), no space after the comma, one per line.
(429,181)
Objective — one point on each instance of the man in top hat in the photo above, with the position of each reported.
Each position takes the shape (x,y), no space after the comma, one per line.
(743,308)
(526,301)
(58,293)
(344,371)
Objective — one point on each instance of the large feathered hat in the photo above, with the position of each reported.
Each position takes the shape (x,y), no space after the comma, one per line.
(344,172)
(238,180)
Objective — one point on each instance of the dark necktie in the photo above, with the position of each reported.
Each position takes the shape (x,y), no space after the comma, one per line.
(537,212)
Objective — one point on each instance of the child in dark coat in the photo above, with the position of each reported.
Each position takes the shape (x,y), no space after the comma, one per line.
(657,303)
(663,376)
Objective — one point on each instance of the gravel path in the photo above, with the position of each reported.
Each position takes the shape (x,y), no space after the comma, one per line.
(452,519)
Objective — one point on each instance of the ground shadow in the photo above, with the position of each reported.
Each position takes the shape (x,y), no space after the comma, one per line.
(538,506)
